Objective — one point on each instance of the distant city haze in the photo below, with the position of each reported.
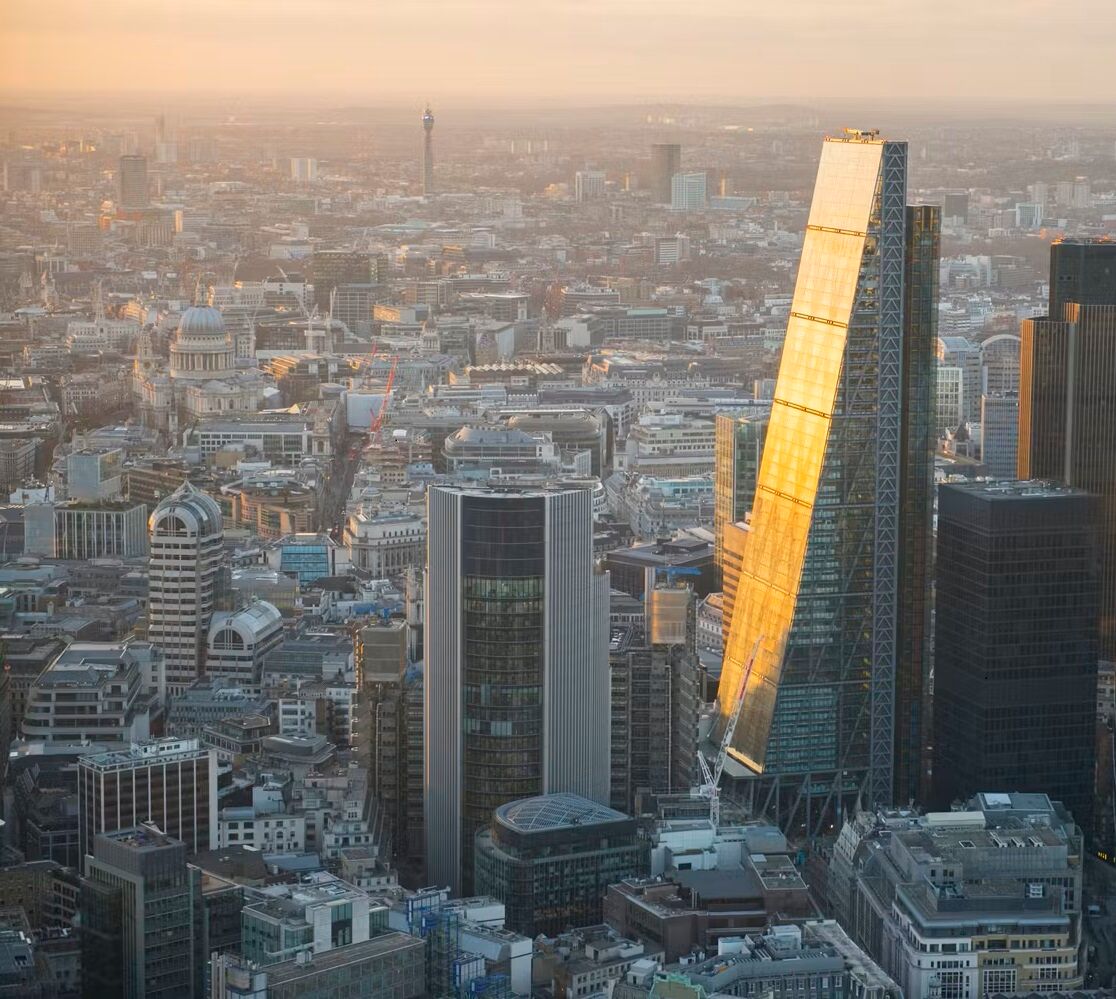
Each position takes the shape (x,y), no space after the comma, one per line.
(578,51)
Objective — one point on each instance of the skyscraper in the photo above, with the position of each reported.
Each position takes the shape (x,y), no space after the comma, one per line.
(186,553)
(517,679)
(427,152)
(844,473)
(666,161)
(1015,656)
(589,184)
(1067,384)
(687,192)
(131,182)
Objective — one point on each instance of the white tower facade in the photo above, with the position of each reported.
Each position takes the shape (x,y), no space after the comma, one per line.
(187,548)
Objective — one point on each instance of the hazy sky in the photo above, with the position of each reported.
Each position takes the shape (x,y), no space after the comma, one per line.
(599,51)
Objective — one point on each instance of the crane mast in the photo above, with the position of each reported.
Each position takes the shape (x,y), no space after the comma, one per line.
(711,788)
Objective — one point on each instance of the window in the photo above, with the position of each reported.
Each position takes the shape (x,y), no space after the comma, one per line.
(999,980)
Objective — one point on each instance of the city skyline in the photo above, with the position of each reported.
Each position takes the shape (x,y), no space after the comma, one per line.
(515,499)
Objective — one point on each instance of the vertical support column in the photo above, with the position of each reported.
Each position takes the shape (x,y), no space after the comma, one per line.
(892,247)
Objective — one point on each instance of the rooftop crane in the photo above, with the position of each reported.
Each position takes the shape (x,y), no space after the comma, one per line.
(712,775)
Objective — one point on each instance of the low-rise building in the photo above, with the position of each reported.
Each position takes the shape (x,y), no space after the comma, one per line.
(239,641)
(388,966)
(318,914)
(550,858)
(268,832)
(965,904)
(385,544)
(92,691)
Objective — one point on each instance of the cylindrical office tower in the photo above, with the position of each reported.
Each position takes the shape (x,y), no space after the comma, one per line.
(516,662)
(187,551)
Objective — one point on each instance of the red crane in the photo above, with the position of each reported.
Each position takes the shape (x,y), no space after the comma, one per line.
(378,419)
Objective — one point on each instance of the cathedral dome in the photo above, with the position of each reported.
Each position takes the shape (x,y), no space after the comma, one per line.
(201,319)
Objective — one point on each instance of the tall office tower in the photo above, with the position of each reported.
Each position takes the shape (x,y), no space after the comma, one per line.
(170,782)
(141,918)
(738,445)
(517,686)
(841,481)
(427,152)
(131,182)
(337,267)
(666,161)
(1015,657)
(687,192)
(1067,385)
(589,184)
(999,435)
(655,703)
(186,553)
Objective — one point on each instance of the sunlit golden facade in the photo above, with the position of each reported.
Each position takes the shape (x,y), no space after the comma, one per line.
(819,561)
(738,444)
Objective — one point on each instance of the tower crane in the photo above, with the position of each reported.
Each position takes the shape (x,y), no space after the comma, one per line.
(378,419)
(712,775)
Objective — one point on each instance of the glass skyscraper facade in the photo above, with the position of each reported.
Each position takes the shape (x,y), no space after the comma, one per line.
(517,662)
(1066,386)
(847,447)
(1015,660)
(738,445)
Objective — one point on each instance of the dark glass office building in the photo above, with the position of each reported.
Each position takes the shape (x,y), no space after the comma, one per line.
(1082,272)
(1015,675)
(916,476)
(141,931)
(517,662)
(550,860)
(666,161)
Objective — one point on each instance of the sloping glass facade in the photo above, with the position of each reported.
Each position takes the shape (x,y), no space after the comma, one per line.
(819,564)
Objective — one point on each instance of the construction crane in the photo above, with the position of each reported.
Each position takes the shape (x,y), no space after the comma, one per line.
(378,419)
(711,788)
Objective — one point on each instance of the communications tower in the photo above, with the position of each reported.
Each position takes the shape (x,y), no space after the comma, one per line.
(427,152)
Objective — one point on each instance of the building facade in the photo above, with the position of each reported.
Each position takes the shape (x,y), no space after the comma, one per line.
(966,905)
(238,642)
(141,918)
(82,531)
(666,161)
(186,543)
(516,640)
(999,435)
(1015,674)
(550,859)
(170,782)
(738,446)
(819,566)
(1067,383)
